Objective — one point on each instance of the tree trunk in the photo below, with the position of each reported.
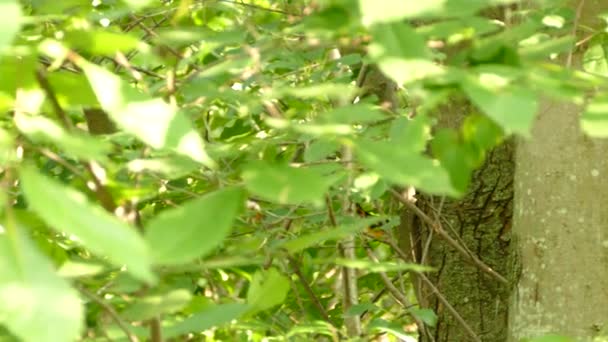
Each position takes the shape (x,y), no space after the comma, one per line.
(480,222)
(560,224)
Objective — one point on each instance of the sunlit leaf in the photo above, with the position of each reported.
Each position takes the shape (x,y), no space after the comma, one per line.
(393,10)
(267,289)
(512,107)
(403,167)
(358,113)
(594,121)
(37,305)
(69,211)
(401,53)
(43,130)
(595,59)
(370,266)
(195,228)
(152,120)
(99,42)
(10,22)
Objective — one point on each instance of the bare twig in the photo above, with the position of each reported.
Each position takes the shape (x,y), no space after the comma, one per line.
(48,90)
(156,331)
(579,11)
(110,310)
(437,228)
(398,295)
(315,299)
(436,291)
(101,192)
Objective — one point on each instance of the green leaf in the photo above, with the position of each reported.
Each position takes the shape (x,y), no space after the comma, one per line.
(427,316)
(195,228)
(371,266)
(311,328)
(137,4)
(11,18)
(411,134)
(358,113)
(72,90)
(320,149)
(211,317)
(302,242)
(391,328)
(510,106)
(152,120)
(267,289)
(594,121)
(151,306)
(401,53)
(595,59)
(403,167)
(284,184)
(104,42)
(43,130)
(69,211)
(393,10)
(37,305)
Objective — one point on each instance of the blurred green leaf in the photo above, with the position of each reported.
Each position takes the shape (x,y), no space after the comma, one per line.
(427,316)
(403,167)
(594,121)
(103,42)
(151,306)
(513,108)
(284,184)
(308,240)
(69,211)
(195,228)
(37,305)
(213,316)
(11,18)
(370,266)
(267,289)
(393,10)
(43,130)
(595,59)
(401,53)
(152,120)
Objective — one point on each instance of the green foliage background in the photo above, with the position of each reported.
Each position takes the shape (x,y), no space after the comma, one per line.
(241,145)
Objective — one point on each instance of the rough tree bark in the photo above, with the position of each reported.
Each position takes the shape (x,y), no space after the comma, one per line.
(480,221)
(560,224)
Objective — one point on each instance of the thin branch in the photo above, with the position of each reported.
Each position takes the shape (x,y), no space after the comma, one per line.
(156,331)
(48,90)
(398,295)
(260,8)
(437,228)
(579,11)
(110,310)
(101,192)
(436,291)
(315,299)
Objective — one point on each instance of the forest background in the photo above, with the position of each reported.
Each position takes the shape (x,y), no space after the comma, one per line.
(269,170)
